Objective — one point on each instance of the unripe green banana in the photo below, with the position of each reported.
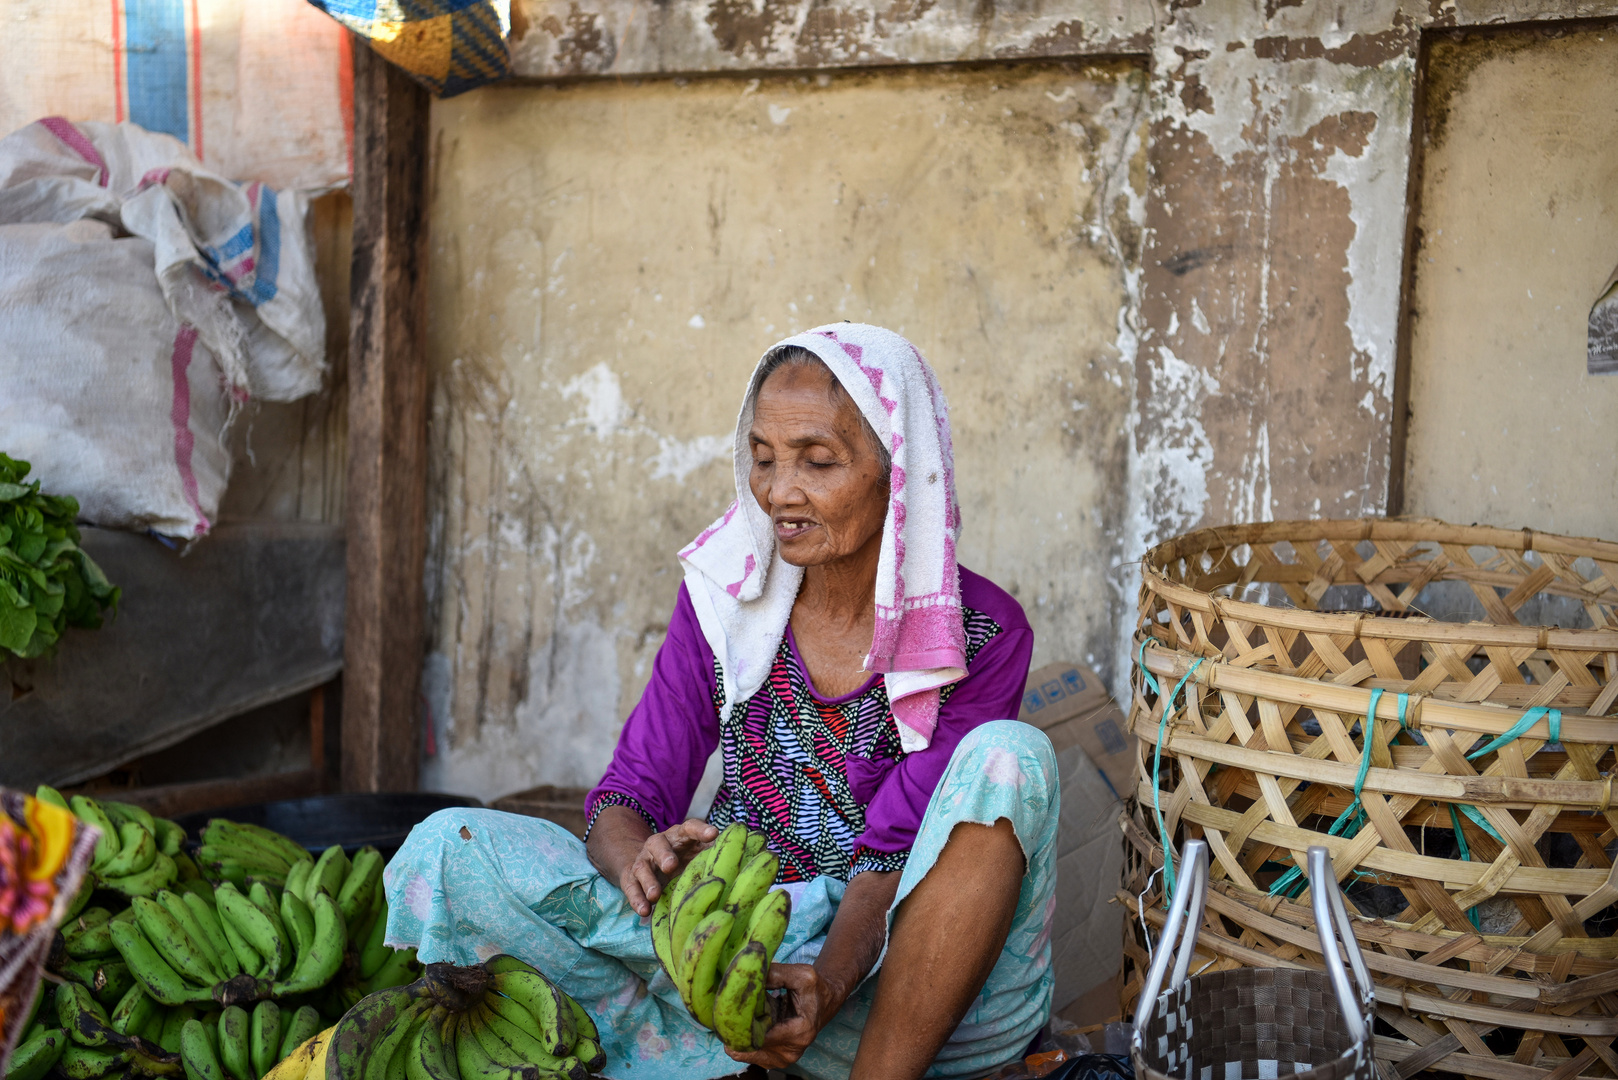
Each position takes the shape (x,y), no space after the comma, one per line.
(122,811)
(429,1058)
(137,849)
(354,898)
(173,1024)
(590,1055)
(149,968)
(177,907)
(246,956)
(328,873)
(551,1020)
(727,858)
(90,812)
(79,1062)
(694,872)
(35,1057)
(134,1011)
(253,926)
(198,1053)
(47,794)
(261,898)
(316,967)
(699,964)
(264,1038)
(702,898)
(285,847)
(206,916)
(587,1027)
(81,1016)
(768,925)
(752,883)
(663,929)
(513,1046)
(736,1005)
(304,1025)
(299,921)
(88,936)
(373,954)
(159,875)
(170,837)
(298,877)
(172,942)
(235,1043)
(254,859)
(753,880)
(756,842)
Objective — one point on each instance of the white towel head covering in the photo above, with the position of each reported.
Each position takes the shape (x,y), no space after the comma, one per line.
(743,591)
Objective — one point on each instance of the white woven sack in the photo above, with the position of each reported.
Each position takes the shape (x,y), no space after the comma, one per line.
(109,396)
(142,298)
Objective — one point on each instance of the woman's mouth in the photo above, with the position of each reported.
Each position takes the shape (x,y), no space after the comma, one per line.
(792,528)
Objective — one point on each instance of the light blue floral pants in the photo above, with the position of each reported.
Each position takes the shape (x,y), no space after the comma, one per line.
(469,884)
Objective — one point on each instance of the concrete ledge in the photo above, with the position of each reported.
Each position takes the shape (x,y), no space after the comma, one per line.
(251,614)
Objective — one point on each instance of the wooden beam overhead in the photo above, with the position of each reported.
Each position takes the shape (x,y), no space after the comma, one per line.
(387,431)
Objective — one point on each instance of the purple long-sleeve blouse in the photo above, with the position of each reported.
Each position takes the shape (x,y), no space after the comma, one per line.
(824,778)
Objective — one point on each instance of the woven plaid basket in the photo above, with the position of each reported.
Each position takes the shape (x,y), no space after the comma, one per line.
(1254,1023)
(1431,703)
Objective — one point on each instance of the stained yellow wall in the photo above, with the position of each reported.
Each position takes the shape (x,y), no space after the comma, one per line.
(609,259)
(1519,220)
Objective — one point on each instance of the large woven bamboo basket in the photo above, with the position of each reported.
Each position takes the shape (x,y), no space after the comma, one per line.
(1472,821)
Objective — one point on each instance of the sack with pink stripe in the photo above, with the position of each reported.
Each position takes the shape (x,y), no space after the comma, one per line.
(143,299)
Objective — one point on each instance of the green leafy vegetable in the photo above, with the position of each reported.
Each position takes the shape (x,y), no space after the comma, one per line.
(47,583)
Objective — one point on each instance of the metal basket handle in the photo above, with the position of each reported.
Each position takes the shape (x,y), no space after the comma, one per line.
(1331,923)
(1185,911)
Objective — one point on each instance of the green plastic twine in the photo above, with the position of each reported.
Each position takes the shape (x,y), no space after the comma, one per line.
(1553,720)
(1466,854)
(1157,759)
(1351,820)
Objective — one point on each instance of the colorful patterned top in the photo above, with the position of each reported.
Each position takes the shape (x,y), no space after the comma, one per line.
(823,777)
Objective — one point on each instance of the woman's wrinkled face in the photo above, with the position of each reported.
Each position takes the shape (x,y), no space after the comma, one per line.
(815,471)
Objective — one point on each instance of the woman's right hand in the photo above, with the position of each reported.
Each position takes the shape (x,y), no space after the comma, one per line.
(660,858)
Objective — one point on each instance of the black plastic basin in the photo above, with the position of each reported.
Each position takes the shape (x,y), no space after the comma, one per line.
(383,819)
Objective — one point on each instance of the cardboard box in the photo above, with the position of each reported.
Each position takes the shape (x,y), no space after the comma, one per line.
(1095,757)
(1070,704)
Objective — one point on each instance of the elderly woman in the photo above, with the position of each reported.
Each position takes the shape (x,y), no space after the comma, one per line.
(858,685)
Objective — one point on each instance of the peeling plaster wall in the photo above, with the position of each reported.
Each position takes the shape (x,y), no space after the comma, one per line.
(608,261)
(1253,246)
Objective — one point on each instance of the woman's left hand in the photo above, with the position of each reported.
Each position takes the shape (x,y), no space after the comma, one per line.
(811,1003)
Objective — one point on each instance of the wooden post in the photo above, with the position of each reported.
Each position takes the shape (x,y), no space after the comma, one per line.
(387,431)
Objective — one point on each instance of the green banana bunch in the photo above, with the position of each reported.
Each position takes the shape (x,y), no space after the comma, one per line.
(501,1020)
(323,957)
(152,969)
(136,854)
(236,852)
(716,928)
(375,1030)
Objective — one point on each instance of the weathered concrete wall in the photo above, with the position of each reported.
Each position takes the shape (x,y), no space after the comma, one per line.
(1250,361)
(608,262)
(1519,228)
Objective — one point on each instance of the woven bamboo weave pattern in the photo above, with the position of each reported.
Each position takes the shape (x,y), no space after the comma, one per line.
(1435,705)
